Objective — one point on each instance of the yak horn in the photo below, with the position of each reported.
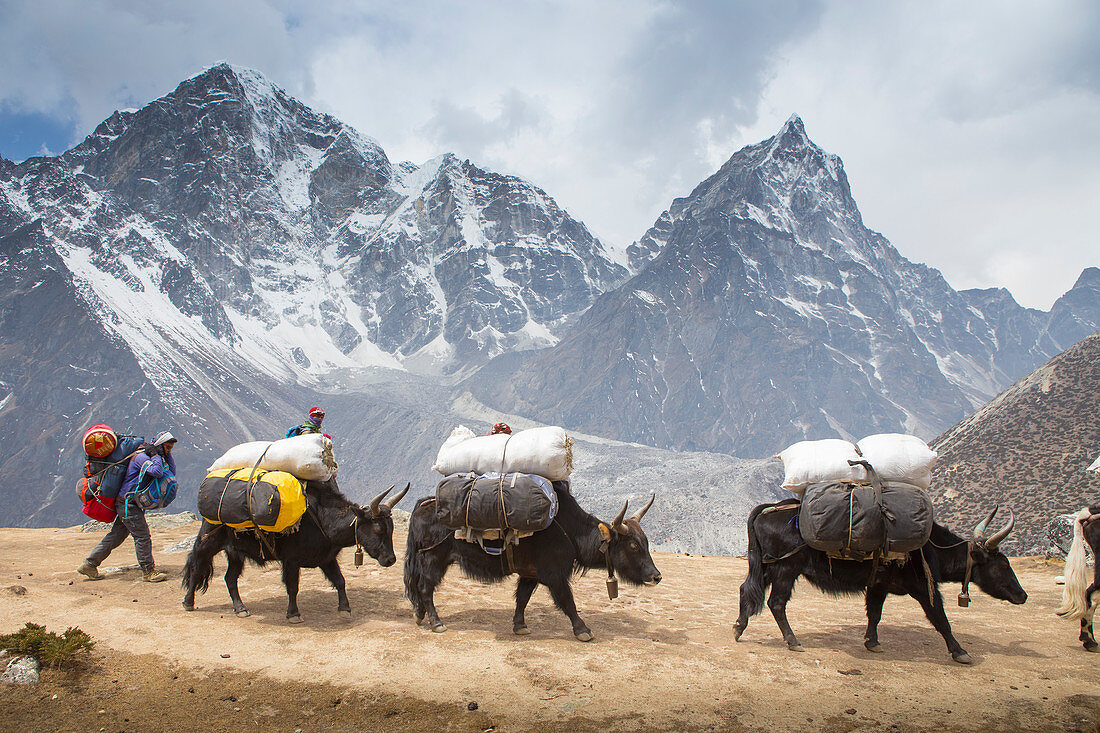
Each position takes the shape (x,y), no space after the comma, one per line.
(393,500)
(617,523)
(637,516)
(376,502)
(979,531)
(992,542)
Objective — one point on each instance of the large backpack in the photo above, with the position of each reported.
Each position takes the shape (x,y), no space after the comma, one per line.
(98,488)
(153,493)
(108,473)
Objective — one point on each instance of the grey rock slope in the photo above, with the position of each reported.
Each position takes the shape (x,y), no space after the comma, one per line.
(54,359)
(771,314)
(1027,449)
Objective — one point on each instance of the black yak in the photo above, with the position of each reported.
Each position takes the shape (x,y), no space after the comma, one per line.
(778,557)
(576,541)
(332,523)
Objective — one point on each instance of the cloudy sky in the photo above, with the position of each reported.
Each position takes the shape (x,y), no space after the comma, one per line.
(970,131)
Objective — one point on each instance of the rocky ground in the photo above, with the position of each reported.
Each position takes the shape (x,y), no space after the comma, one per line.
(663,659)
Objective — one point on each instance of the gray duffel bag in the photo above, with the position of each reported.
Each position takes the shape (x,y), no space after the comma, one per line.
(857,521)
(520,501)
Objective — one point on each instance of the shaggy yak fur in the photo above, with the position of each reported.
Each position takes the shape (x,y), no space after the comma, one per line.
(778,557)
(551,557)
(332,523)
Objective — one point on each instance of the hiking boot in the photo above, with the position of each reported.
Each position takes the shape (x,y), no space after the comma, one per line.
(90,571)
(152,575)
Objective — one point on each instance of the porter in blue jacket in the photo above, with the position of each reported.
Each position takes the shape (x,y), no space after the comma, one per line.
(131,517)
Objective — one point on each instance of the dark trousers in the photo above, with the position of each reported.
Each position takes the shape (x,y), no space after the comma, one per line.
(130,521)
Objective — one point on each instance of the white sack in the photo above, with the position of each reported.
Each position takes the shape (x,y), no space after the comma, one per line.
(546,452)
(309,457)
(899,458)
(820,462)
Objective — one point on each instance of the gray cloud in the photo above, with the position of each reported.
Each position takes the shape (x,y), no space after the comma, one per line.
(693,73)
(80,60)
(457,127)
(699,60)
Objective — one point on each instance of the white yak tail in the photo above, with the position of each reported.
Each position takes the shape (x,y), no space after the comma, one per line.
(1077,579)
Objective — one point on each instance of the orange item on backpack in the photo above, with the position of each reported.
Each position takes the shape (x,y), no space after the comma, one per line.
(99,441)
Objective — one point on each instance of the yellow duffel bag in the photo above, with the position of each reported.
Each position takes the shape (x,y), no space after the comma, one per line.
(236,497)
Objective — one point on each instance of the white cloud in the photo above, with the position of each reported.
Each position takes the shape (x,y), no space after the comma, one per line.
(968,131)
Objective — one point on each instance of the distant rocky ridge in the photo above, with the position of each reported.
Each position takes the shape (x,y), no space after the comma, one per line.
(1027,449)
(769,313)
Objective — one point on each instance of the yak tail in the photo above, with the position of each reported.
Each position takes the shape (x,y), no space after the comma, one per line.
(752,590)
(1074,604)
(412,565)
(199,568)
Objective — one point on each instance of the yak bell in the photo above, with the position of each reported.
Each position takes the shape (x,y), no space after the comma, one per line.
(358,556)
(612,588)
(964,599)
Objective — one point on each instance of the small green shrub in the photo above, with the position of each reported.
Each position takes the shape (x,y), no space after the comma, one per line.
(45,646)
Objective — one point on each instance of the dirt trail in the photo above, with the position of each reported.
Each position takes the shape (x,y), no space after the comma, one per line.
(663,659)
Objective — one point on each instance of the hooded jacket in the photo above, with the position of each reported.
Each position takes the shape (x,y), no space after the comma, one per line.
(159,467)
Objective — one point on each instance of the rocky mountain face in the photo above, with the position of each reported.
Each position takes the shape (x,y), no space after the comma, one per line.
(1027,449)
(297,231)
(1076,314)
(219,252)
(765,312)
(53,354)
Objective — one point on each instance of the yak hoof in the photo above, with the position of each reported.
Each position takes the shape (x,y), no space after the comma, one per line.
(876,648)
(585,635)
(737,631)
(963,658)
(796,647)
(521,631)
(439,629)
(188,606)
(294,619)
(1093,647)
(345,612)
(243,613)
